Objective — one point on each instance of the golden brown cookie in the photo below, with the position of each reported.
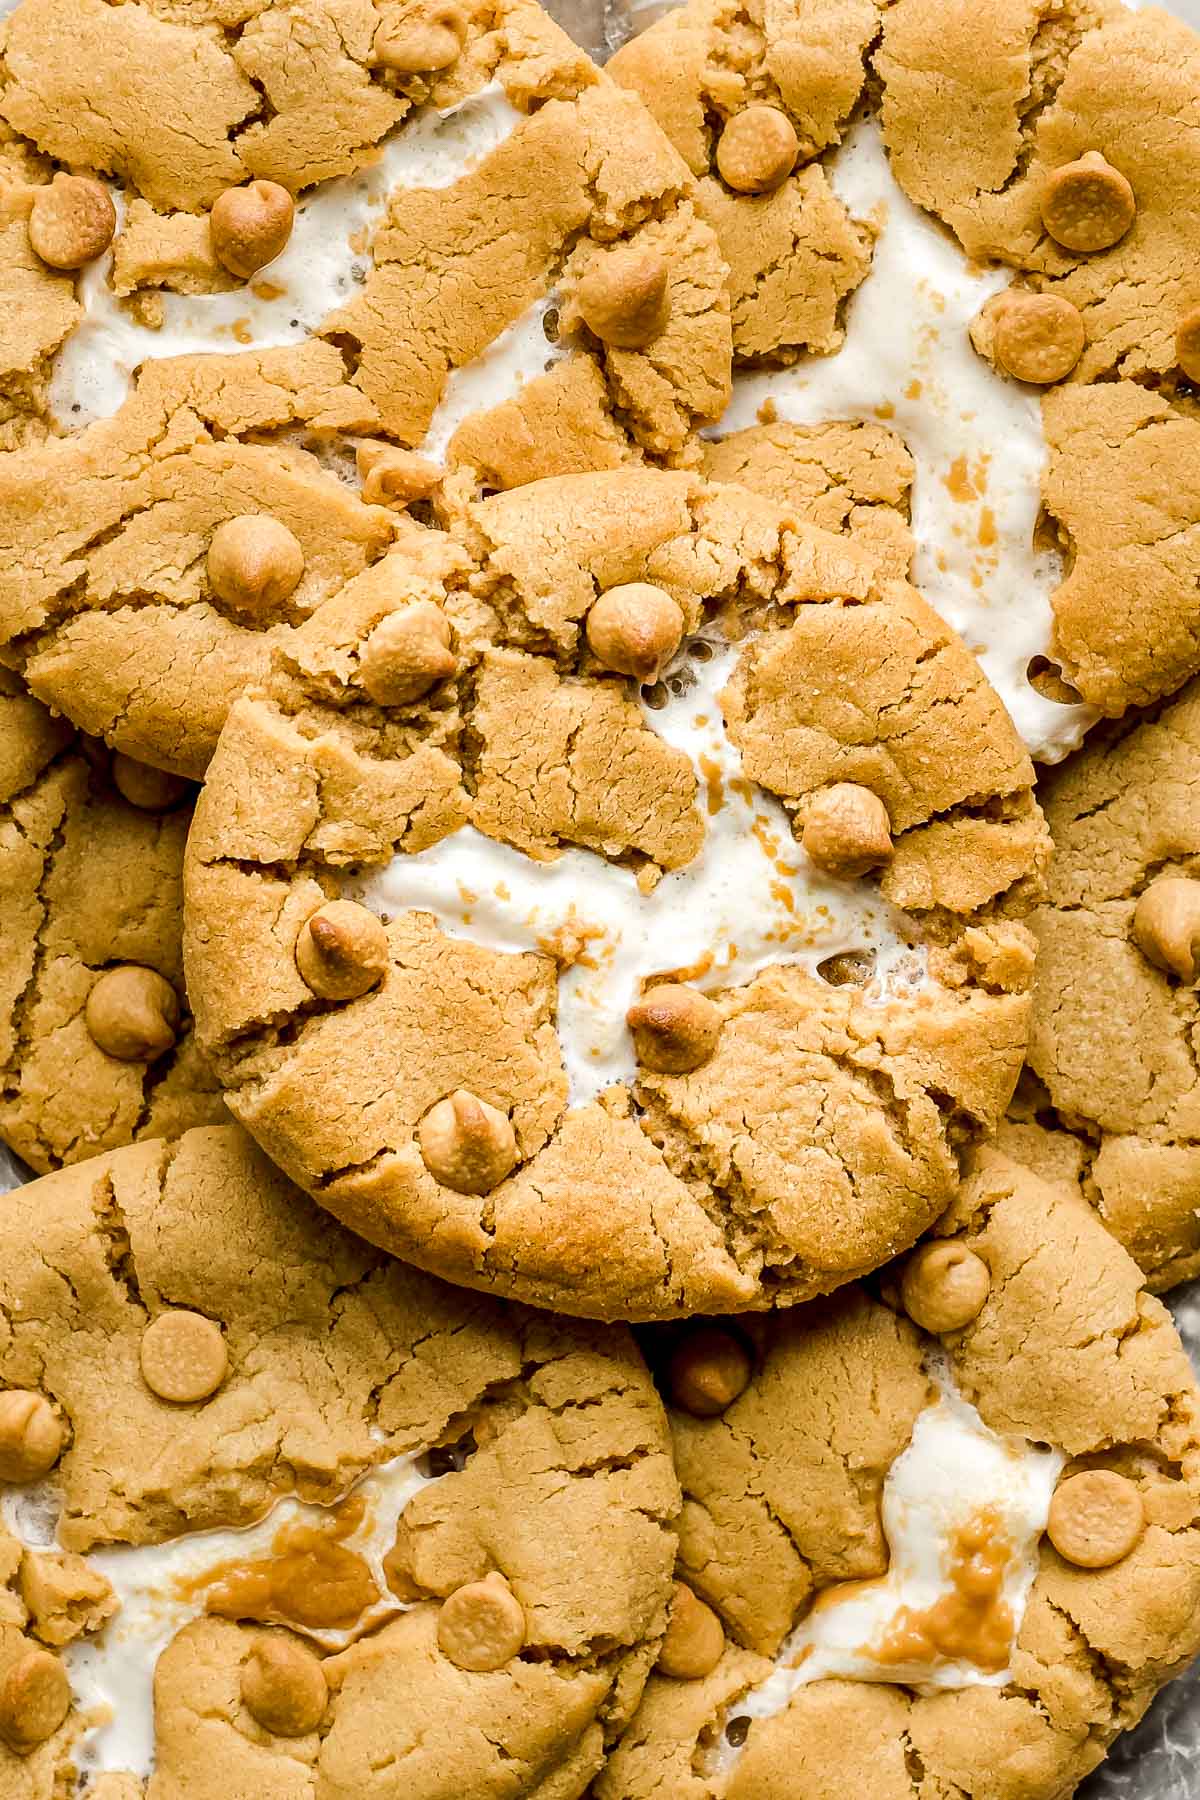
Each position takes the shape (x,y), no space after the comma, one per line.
(451,1567)
(742,1119)
(1115,1005)
(98,1046)
(497,192)
(1047,140)
(1069,1383)
(749,99)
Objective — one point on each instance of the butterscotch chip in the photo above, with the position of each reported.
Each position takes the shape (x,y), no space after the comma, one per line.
(421,41)
(342,950)
(675,1028)
(1087,204)
(944,1286)
(635,629)
(132,1013)
(847,830)
(707,1372)
(623,298)
(251,225)
(71,221)
(35,1697)
(395,477)
(695,1638)
(482,1625)
(284,1686)
(254,562)
(1039,337)
(1096,1518)
(1166,925)
(183,1356)
(149,789)
(31,1437)
(467,1144)
(407,654)
(1187,343)
(757,149)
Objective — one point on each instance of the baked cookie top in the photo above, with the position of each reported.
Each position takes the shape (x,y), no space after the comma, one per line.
(309,1523)
(502,941)
(97,1044)
(1041,369)
(931,1532)
(1115,1013)
(408,215)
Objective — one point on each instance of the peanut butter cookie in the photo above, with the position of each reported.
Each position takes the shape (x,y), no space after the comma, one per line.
(309,1522)
(979,1550)
(98,1047)
(606,898)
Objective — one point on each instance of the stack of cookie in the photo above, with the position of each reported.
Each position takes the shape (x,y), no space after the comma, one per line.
(600,844)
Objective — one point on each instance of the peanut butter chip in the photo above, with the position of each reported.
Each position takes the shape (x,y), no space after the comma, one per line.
(35,1697)
(622,297)
(708,1371)
(847,830)
(284,1686)
(31,1437)
(407,654)
(392,477)
(254,562)
(695,1638)
(635,629)
(342,950)
(466,1144)
(944,1287)
(1096,1518)
(71,221)
(150,790)
(1039,337)
(132,1014)
(1166,925)
(675,1028)
(250,226)
(1087,205)
(1187,344)
(481,1626)
(422,42)
(757,150)
(183,1357)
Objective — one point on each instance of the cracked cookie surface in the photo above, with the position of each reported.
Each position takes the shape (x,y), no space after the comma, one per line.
(984,108)
(469,1093)
(780,1528)
(794,253)
(92,886)
(459,173)
(1114,1026)
(539,1495)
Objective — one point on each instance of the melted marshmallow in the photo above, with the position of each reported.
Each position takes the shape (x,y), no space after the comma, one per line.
(954,1470)
(976,437)
(317,272)
(749,898)
(160,1588)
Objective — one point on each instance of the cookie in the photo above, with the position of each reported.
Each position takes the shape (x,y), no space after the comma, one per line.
(946,1532)
(1115,1011)
(428,179)
(309,1522)
(505,948)
(97,1041)
(1047,141)
(777,112)
(449,215)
